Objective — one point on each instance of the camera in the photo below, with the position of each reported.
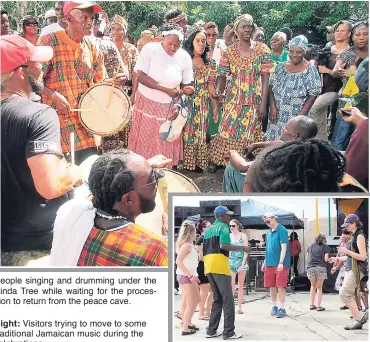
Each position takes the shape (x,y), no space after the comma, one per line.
(321,55)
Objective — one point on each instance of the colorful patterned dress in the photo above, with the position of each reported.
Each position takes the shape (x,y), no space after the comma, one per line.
(240,124)
(291,91)
(129,54)
(195,131)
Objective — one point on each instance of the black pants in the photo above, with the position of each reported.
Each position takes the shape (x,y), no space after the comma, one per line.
(294,264)
(223,299)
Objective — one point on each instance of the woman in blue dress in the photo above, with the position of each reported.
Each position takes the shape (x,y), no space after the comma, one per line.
(294,87)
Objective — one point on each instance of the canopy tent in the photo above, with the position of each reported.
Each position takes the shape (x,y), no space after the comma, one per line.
(252,213)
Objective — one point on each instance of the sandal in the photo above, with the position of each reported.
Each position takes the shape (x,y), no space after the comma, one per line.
(344,307)
(178,315)
(204,318)
(212,168)
(312,307)
(193,327)
(240,312)
(320,308)
(191,332)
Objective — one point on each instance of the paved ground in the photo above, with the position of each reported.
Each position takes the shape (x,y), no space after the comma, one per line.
(301,324)
(206,182)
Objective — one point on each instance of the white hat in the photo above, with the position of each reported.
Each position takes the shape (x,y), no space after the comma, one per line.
(269,214)
(50,13)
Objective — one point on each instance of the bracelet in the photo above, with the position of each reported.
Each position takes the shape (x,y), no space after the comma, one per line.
(281,262)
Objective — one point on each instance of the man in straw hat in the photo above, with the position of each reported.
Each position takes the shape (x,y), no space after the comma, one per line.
(277,262)
(35,176)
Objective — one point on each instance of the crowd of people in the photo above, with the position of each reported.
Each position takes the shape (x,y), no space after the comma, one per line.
(207,266)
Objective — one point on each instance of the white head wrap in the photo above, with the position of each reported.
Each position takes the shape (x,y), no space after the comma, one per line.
(173,32)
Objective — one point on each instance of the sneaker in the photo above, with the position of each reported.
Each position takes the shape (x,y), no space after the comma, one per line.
(234,337)
(274,311)
(216,334)
(281,313)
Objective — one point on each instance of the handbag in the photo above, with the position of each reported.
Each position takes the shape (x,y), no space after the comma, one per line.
(171,130)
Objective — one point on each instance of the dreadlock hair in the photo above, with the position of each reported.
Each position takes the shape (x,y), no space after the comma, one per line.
(186,231)
(188,46)
(173,13)
(169,27)
(309,165)
(110,179)
(201,224)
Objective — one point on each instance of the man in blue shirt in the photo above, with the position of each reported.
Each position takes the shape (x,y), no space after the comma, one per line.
(277,262)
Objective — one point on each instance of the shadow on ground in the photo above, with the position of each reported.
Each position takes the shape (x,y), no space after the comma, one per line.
(206,182)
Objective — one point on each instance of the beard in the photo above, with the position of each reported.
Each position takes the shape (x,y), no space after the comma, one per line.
(146,205)
(37,85)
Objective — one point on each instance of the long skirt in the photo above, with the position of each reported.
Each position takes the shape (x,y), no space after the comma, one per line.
(144,138)
(236,130)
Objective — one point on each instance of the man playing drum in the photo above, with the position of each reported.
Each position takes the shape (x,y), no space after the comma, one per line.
(77,64)
(35,177)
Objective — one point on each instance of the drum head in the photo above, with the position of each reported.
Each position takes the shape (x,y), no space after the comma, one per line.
(106,112)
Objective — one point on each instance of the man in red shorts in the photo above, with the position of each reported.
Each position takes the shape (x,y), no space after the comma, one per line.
(277,262)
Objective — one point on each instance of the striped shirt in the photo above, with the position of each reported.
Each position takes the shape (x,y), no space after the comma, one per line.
(74,68)
(127,245)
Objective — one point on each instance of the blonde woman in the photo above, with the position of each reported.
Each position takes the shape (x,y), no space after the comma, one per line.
(187,276)
(238,260)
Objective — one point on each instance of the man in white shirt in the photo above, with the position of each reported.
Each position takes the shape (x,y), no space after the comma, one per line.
(56,26)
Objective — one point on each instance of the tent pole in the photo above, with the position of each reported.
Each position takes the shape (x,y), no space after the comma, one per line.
(329,219)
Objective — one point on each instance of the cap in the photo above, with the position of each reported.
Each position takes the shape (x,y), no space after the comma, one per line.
(71,5)
(16,51)
(50,13)
(269,214)
(222,210)
(351,218)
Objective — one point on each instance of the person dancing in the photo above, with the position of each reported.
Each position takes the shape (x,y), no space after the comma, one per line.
(187,276)
(238,260)
(248,63)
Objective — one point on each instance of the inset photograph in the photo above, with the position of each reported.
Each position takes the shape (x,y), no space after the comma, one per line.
(270,268)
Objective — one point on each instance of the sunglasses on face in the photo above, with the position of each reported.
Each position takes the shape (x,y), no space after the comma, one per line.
(31,23)
(232,225)
(156,175)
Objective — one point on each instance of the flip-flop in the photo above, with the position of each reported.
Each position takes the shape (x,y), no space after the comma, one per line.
(191,332)
(205,318)
(193,327)
(178,315)
(320,308)
(312,307)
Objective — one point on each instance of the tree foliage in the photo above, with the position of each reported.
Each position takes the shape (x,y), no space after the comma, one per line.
(303,17)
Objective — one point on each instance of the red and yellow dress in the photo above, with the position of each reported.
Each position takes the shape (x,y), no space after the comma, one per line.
(240,124)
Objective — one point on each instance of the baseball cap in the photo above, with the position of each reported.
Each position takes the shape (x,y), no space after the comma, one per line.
(50,13)
(269,214)
(222,210)
(351,218)
(71,5)
(16,51)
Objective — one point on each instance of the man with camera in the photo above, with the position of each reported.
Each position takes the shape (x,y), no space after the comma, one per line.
(331,85)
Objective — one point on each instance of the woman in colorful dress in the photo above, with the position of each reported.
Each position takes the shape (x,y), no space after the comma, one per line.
(129,54)
(163,69)
(238,260)
(248,63)
(294,87)
(195,146)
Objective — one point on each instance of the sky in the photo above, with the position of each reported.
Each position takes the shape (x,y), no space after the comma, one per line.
(301,206)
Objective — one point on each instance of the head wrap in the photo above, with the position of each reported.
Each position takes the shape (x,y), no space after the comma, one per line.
(177,19)
(300,41)
(117,19)
(196,28)
(247,17)
(178,33)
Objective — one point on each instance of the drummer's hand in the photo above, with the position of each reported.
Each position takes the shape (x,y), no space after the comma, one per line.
(159,161)
(61,104)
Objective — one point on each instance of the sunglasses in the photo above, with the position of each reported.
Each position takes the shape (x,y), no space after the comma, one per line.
(27,23)
(232,225)
(156,175)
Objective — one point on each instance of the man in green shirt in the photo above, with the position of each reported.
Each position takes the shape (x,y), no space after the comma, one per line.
(216,248)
